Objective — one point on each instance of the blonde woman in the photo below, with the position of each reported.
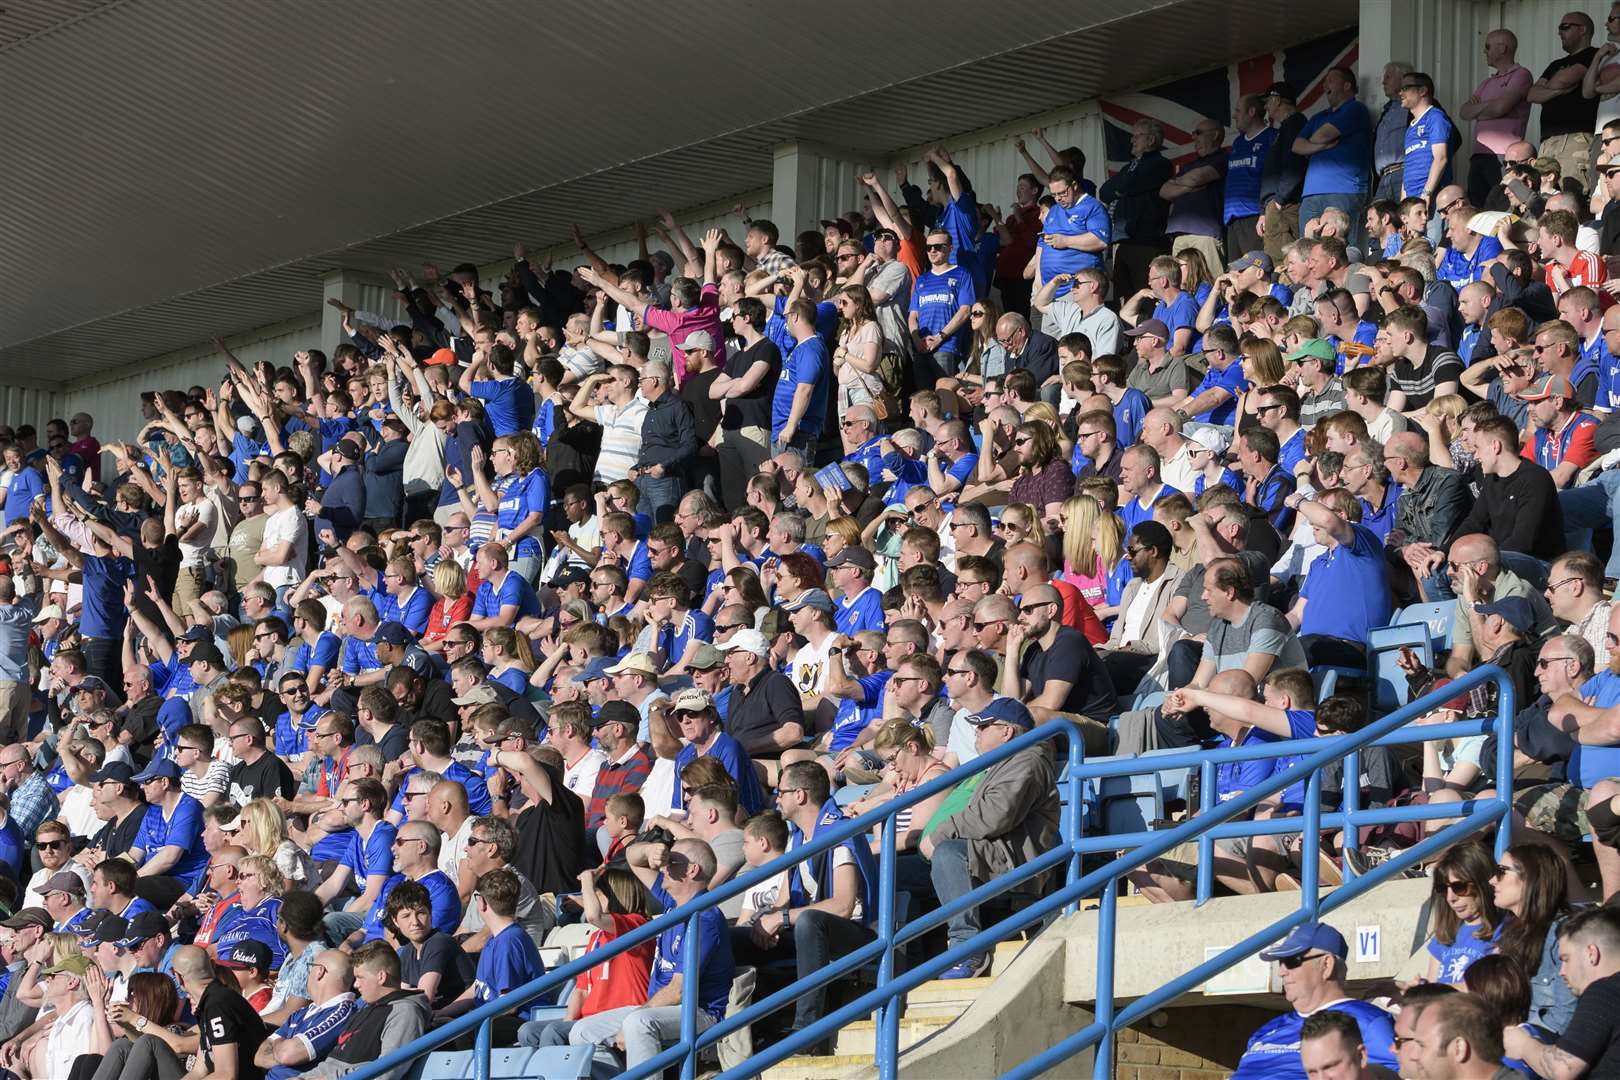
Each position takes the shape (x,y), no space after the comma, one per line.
(910,760)
(1020,524)
(452,603)
(239,640)
(1093,547)
(263,831)
(259,886)
(509,657)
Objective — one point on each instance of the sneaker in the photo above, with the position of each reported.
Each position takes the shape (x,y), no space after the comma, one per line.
(973,967)
(1363,859)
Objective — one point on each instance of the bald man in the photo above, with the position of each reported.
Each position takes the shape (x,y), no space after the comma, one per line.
(447,809)
(1033,351)
(229,1031)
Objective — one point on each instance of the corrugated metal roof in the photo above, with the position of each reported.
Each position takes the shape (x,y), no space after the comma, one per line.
(183,168)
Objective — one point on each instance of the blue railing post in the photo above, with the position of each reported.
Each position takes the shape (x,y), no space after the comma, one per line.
(888,1018)
(1350,782)
(1206,843)
(1310,885)
(1073,817)
(691,960)
(1103,1066)
(481,1050)
(1506,707)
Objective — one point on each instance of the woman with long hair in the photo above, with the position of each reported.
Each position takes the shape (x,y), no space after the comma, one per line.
(509,658)
(1093,548)
(263,831)
(1531,883)
(1501,984)
(1196,278)
(239,640)
(910,760)
(1262,366)
(988,356)
(860,347)
(1020,524)
(1467,921)
(1044,478)
(741,585)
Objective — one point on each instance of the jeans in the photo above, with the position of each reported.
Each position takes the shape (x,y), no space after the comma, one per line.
(818,940)
(340,924)
(527,568)
(1484,174)
(646,1033)
(545,1032)
(1182,664)
(660,495)
(1528,567)
(949,871)
(101,659)
(1592,506)
(1389,187)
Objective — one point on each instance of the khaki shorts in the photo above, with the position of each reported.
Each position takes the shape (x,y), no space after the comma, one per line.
(1555,809)
(1181,861)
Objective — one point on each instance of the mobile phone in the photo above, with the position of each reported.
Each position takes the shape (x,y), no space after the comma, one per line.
(1519,190)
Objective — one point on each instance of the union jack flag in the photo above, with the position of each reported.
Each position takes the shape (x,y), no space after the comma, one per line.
(1181,104)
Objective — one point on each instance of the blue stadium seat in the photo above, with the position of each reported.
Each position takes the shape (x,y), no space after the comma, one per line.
(1440,617)
(852,793)
(1126,804)
(1173,783)
(1148,699)
(540,1063)
(1384,650)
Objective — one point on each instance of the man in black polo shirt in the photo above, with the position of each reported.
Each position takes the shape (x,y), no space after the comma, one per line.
(1058,672)
(765,713)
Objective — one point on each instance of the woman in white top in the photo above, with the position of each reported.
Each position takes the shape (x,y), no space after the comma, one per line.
(263,831)
(860,345)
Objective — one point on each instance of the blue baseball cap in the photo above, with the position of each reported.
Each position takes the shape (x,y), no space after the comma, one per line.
(392,633)
(597,668)
(1003,710)
(1515,609)
(1308,938)
(160,769)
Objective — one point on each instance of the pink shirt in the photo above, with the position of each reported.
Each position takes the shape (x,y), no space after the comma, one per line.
(1494,136)
(679,324)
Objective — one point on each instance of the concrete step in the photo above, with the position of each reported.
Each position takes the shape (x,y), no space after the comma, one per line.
(818,1068)
(860,1037)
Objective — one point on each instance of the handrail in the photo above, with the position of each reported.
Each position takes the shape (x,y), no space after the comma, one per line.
(1211,823)
(690,1044)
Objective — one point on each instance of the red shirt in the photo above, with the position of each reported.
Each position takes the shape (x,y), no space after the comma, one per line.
(1587,269)
(1078,613)
(621,980)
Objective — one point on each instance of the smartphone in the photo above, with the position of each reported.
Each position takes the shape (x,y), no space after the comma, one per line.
(1519,190)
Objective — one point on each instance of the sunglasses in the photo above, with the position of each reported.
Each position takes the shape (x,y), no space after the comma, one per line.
(938,247)
(1456,888)
(1293,962)
(51,845)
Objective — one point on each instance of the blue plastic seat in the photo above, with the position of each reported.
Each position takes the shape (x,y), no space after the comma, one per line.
(540,1063)
(1173,783)
(1390,689)
(1127,804)
(851,793)
(1440,617)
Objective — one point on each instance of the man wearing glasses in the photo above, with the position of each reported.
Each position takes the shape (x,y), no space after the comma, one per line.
(1568,117)
(257,774)
(941,303)
(1059,672)
(1311,963)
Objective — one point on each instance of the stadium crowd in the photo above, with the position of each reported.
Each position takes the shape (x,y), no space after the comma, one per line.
(330,695)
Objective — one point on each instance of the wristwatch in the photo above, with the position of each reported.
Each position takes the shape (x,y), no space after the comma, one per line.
(140,1023)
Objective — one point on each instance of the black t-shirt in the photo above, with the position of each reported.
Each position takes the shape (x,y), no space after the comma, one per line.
(224,1017)
(395,741)
(264,778)
(1071,659)
(117,837)
(551,848)
(753,409)
(1569,113)
(440,953)
(705,410)
(1593,1034)
(141,722)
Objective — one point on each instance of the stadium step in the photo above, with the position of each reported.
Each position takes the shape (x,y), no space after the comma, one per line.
(929,1008)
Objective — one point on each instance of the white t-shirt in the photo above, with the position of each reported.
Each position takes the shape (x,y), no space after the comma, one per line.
(809,669)
(454,849)
(283,526)
(32,897)
(77,811)
(70,1034)
(807,881)
(580,777)
(192,553)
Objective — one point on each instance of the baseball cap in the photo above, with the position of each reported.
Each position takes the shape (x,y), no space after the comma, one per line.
(1282,90)
(1211,438)
(1003,710)
(1545,387)
(349,449)
(748,640)
(638,663)
(853,556)
(442,356)
(160,769)
(704,658)
(1252,259)
(114,771)
(477,695)
(197,633)
(49,612)
(392,633)
(73,964)
(1155,327)
(1515,609)
(63,881)
(110,929)
(35,455)
(248,953)
(570,575)
(1314,349)
(697,339)
(617,712)
(207,653)
(1304,939)
(143,927)
(815,598)
(595,668)
(93,684)
(692,700)
(33,916)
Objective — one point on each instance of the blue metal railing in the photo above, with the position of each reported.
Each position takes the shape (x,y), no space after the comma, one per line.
(881,950)
(1213,822)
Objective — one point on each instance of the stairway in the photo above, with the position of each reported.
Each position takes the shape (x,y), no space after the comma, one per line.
(929,1008)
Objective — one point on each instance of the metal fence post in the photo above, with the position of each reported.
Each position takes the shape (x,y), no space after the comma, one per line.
(888,1021)
(1103,1066)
